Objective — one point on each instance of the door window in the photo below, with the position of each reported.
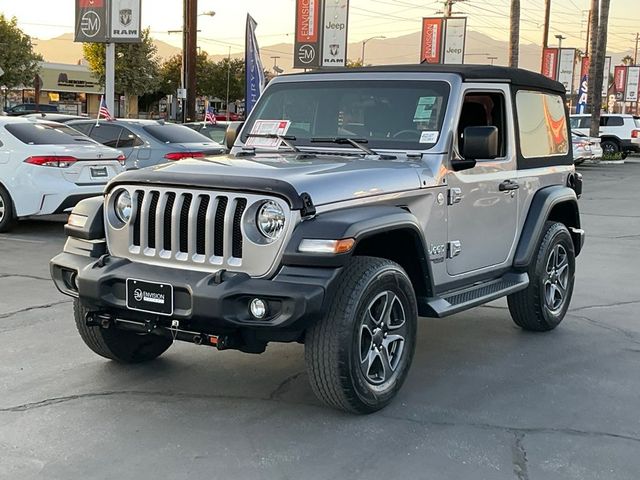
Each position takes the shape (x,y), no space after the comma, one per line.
(128,139)
(106,134)
(542,124)
(484,110)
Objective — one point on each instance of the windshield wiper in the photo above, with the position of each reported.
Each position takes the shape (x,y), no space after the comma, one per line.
(286,139)
(354,142)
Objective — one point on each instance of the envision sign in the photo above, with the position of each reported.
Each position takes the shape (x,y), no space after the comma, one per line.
(108,21)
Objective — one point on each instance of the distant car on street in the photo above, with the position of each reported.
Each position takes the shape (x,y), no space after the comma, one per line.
(149,142)
(618,132)
(233,117)
(585,148)
(25,108)
(47,168)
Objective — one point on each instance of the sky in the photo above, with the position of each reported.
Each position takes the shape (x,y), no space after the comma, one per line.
(391,18)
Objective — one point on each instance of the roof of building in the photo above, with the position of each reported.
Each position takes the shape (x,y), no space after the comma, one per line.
(478,73)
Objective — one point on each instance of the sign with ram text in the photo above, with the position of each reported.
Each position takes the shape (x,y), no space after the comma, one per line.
(334,32)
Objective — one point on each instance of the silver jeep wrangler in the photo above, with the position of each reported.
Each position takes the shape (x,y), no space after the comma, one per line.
(353,201)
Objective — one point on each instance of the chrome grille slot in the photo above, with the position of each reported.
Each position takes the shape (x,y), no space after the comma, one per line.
(197,229)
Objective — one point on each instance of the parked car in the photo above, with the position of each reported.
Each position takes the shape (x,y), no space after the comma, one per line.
(585,148)
(149,142)
(618,132)
(233,117)
(47,168)
(25,108)
(56,117)
(461,189)
(215,132)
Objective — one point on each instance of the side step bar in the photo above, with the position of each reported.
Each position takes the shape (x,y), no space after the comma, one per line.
(457,301)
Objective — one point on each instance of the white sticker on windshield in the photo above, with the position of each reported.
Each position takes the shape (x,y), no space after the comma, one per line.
(429,137)
(266,132)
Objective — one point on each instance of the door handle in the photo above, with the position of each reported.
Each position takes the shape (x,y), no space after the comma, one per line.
(508,185)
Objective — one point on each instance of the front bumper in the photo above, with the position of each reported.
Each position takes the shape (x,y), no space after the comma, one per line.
(211,303)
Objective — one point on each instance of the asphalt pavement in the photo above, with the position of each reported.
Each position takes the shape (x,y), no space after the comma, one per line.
(483,400)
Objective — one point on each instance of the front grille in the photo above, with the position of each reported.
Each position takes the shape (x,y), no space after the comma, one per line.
(188,226)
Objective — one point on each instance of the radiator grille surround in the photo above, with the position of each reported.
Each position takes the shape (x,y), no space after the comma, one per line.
(196,229)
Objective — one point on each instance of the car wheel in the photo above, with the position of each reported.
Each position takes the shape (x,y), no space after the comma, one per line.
(7,217)
(610,147)
(118,345)
(359,354)
(544,303)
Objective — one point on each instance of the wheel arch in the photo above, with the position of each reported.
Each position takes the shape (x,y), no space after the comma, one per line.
(11,197)
(556,203)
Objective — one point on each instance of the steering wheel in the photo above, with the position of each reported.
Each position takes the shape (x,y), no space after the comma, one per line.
(407,133)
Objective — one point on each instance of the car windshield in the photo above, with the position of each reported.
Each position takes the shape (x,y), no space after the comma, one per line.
(168,133)
(43,134)
(396,115)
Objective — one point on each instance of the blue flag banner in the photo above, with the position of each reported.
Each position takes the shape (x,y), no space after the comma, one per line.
(582,95)
(255,80)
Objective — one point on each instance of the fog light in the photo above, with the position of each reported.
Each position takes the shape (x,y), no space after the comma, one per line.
(258,308)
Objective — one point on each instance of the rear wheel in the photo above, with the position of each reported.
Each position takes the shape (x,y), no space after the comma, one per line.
(118,345)
(359,354)
(7,217)
(610,147)
(544,303)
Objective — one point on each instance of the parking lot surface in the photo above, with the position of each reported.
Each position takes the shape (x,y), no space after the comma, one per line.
(483,400)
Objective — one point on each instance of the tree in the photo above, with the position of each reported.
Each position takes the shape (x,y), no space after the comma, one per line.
(599,59)
(170,74)
(514,33)
(593,47)
(627,60)
(136,65)
(17,58)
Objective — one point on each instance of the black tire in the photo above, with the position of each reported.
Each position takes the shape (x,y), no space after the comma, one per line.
(118,345)
(539,307)
(7,215)
(335,345)
(610,147)
(578,162)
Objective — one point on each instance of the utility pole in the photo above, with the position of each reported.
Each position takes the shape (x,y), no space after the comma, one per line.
(492,59)
(448,7)
(598,60)
(514,33)
(190,52)
(547,17)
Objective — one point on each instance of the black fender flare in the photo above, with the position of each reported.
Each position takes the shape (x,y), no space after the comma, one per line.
(93,209)
(540,211)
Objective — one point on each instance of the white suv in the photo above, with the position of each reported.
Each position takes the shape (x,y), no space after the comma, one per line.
(47,167)
(618,132)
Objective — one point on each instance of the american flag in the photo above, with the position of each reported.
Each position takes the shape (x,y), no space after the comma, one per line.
(104,111)
(210,116)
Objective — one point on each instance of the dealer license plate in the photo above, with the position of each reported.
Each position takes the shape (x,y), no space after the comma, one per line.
(150,297)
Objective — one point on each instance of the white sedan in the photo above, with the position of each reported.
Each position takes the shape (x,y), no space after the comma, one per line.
(47,167)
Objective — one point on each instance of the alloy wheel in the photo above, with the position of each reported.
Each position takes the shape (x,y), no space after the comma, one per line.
(382,338)
(2,209)
(557,278)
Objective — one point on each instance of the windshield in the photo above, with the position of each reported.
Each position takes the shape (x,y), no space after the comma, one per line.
(397,115)
(169,133)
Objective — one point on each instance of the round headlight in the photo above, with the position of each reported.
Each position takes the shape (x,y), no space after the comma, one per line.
(271,220)
(122,206)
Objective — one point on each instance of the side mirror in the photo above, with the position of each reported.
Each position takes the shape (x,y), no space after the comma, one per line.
(479,143)
(230,136)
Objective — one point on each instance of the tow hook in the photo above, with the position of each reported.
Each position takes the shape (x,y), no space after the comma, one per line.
(98,319)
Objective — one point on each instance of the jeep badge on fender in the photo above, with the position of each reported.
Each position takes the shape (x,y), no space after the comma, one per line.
(353,202)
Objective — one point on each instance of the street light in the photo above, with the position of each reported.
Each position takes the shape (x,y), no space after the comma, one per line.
(492,59)
(364,43)
(560,38)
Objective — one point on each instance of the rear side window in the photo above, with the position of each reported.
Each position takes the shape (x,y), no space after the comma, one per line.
(175,134)
(106,134)
(128,139)
(82,127)
(39,134)
(542,124)
(611,121)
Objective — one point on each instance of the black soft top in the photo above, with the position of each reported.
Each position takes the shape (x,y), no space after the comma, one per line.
(475,73)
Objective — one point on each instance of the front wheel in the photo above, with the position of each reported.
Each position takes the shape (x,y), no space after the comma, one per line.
(359,354)
(7,217)
(118,345)
(544,303)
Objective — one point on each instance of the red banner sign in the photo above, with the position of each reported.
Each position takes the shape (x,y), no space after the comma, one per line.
(584,70)
(620,78)
(91,3)
(431,49)
(308,20)
(550,63)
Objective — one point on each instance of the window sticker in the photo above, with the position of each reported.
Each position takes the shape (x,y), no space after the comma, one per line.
(429,137)
(268,127)
(425,108)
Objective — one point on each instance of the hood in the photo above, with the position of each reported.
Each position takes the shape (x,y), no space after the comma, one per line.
(326,178)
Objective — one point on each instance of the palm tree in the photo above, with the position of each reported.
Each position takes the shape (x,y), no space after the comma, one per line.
(627,60)
(593,47)
(514,33)
(598,59)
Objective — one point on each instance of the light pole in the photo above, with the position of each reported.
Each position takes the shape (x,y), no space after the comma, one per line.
(364,44)
(276,69)
(560,38)
(492,59)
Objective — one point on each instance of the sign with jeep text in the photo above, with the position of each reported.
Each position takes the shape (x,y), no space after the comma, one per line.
(454,40)
(566,68)
(124,25)
(431,47)
(550,63)
(633,81)
(306,52)
(335,25)
(91,21)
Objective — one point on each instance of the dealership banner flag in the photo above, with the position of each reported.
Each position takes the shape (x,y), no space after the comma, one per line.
(605,79)
(566,68)
(431,47)
(455,33)
(584,86)
(255,79)
(306,51)
(334,33)
(91,21)
(550,63)
(633,81)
